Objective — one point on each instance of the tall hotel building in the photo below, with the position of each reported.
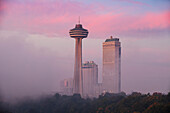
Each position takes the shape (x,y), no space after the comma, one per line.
(111,65)
(90,79)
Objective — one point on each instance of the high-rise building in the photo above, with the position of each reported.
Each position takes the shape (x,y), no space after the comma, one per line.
(90,79)
(111,65)
(78,33)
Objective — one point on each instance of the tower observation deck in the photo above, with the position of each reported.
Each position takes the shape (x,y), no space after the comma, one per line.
(78,32)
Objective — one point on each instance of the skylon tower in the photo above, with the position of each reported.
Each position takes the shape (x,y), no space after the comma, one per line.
(78,33)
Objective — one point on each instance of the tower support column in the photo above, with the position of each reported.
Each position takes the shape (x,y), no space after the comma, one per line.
(78,67)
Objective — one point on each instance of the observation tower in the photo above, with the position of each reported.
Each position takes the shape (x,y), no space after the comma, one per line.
(78,33)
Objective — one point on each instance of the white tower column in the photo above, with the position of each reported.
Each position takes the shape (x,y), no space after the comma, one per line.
(78,67)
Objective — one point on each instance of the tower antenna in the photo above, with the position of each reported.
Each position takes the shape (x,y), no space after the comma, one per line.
(79,20)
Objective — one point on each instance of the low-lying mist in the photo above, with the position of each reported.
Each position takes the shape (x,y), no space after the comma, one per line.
(27,71)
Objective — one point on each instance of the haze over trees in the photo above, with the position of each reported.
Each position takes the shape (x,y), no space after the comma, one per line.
(108,103)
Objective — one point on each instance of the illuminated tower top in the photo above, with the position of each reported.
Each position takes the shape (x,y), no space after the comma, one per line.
(78,32)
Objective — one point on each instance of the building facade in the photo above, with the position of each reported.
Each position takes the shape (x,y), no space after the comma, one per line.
(90,79)
(111,65)
(98,90)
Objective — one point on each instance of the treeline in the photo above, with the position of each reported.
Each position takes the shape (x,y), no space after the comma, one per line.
(108,103)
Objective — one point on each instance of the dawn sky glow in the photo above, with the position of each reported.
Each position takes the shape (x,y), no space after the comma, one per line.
(36,51)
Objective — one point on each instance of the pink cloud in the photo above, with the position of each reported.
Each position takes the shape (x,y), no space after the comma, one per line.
(134,2)
(56,18)
(2,5)
(120,23)
(157,20)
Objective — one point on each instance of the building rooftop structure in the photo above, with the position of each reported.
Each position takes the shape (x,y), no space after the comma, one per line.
(88,64)
(112,39)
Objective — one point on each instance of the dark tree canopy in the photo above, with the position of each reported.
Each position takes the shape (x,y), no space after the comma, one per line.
(108,103)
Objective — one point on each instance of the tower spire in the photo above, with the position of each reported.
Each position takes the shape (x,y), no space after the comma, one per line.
(79,20)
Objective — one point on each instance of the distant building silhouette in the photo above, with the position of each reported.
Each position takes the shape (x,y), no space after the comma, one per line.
(98,89)
(111,65)
(66,86)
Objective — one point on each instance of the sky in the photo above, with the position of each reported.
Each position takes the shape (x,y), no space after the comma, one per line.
(36,51)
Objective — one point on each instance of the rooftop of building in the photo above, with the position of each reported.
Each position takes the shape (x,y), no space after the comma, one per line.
(112,39)
(88,64)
